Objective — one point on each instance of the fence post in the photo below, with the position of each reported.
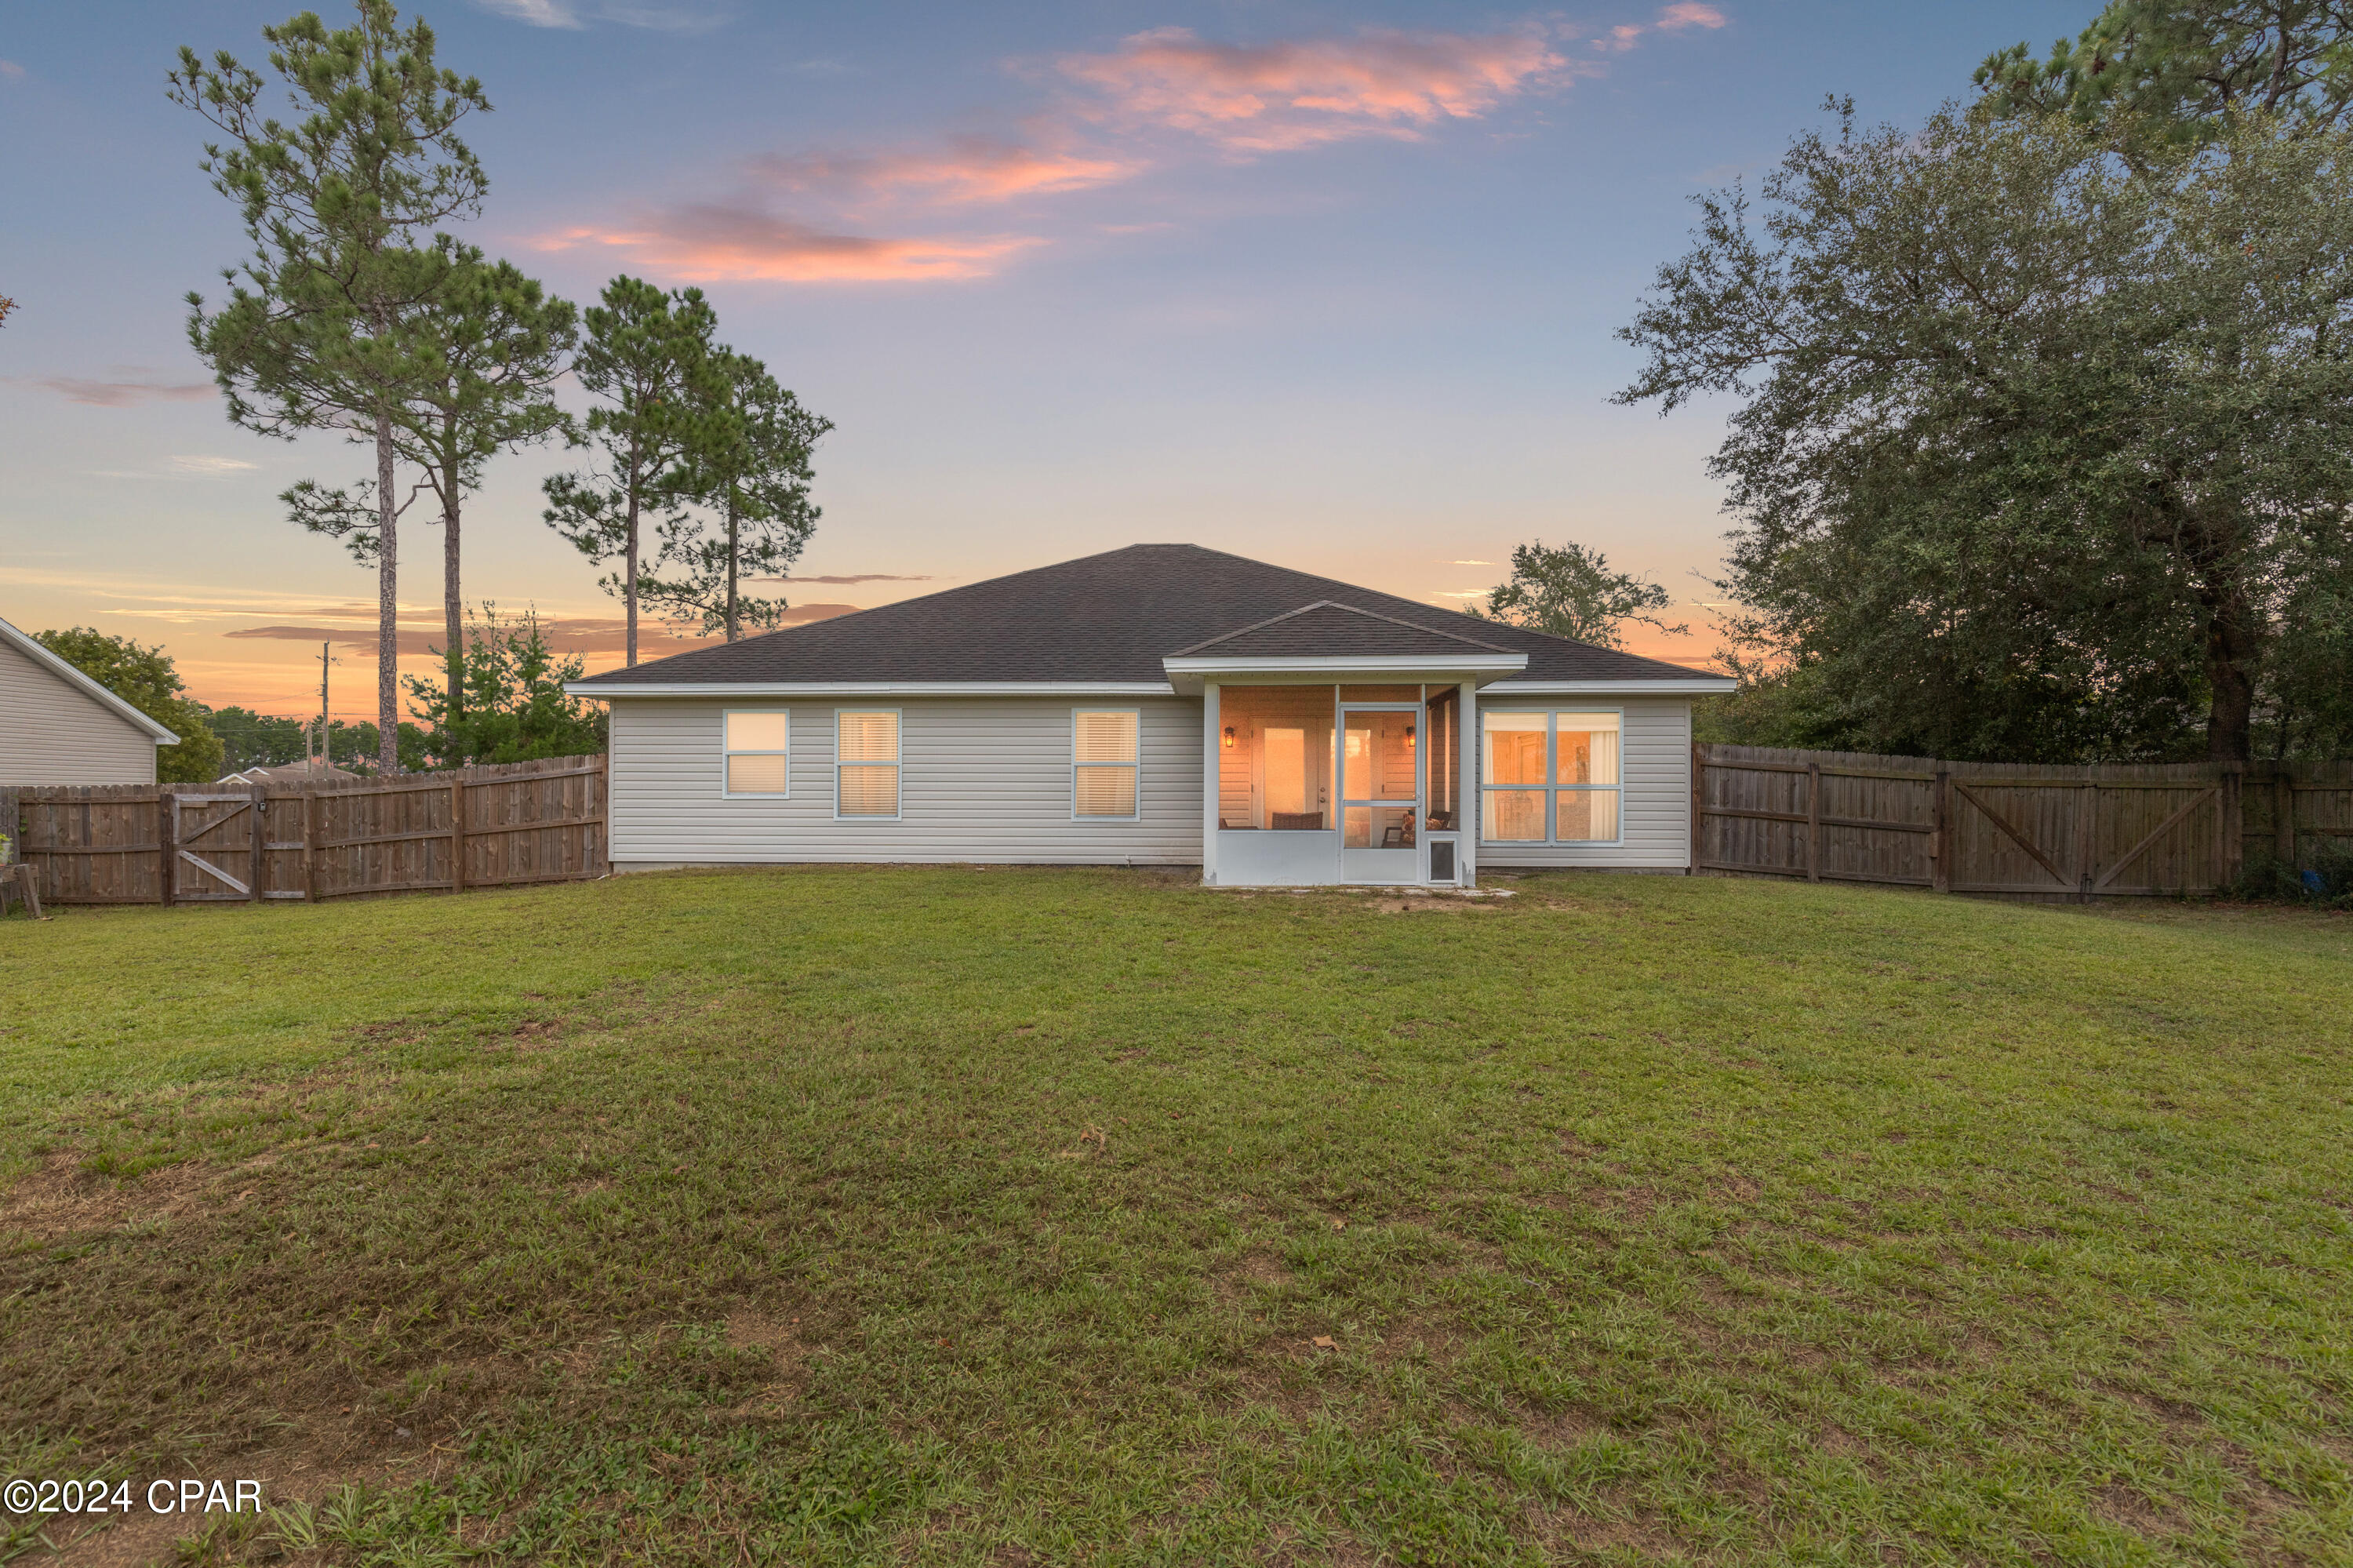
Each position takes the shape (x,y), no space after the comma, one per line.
(603,779)
(1940,834)
(167,844)
(309,846)
(2087,832)
(11,827)
(458,833)
(2284,819)
(1698,786)
(2234,821)
(261,869)
(1813,821)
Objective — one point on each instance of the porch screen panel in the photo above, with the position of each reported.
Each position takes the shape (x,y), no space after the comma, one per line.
(867,763)
(1103,763)
(1275,765)
(1442,723)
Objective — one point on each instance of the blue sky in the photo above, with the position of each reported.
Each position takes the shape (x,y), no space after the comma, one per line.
(1331,285)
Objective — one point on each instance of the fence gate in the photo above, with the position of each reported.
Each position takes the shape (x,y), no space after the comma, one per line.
(2014,829)
(219,838)
(2084,837)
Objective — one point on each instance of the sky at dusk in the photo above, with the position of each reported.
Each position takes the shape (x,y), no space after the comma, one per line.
(1333,286)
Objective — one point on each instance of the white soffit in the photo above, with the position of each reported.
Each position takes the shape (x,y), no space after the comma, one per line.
(871,689)
(1694,685)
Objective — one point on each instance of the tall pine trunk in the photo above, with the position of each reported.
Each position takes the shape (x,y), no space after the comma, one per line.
(453,599)
(730,565)
(630,586)
(387,603)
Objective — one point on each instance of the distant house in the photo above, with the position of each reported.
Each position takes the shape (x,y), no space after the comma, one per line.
(1160,705)
(288,773)
(60,727)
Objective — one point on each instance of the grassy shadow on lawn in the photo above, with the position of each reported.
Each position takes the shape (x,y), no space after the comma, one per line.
(952,1216)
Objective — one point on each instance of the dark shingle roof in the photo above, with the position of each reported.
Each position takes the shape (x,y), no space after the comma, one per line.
(1111,617)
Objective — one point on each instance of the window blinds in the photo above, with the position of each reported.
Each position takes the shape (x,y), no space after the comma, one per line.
(865,764)
(1102,755)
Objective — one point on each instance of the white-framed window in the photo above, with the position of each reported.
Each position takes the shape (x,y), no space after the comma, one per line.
(1550,776)
(1104,751)
(866,762)
(757,743)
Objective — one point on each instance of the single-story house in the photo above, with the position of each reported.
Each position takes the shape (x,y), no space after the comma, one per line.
(60,727)
(311,772)
(1163,704)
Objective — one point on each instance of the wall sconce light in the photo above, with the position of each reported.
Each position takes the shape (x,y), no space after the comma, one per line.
(1229,737)
(1409,734)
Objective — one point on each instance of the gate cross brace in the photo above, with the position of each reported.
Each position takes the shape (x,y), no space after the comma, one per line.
(205,865)
(1999,821)
(2155,833)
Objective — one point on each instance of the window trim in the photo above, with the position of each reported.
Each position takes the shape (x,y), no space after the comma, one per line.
(899,794)
(1137,766)
(1552,791)
(727,752)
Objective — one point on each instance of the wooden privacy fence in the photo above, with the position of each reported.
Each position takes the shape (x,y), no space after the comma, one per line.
(213,844)
(2007,828)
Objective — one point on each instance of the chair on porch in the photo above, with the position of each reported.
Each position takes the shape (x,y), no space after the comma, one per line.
(1296,821)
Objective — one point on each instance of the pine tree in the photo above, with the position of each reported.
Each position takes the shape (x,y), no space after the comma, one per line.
(319,326)
(643,351)
(748,445)
(496,344)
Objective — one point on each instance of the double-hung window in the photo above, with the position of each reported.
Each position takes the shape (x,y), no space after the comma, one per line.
(1103,762)
(866,762)
(1550,776)
(759,756)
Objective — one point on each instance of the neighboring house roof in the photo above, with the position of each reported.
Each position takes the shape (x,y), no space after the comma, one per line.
(284,772)
(24,644)
(1112,620)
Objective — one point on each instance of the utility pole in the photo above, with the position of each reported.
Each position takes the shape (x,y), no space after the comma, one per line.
(326,717)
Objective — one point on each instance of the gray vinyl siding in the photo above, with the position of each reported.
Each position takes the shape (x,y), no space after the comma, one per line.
(53,733)
(1655,760)
(980,778)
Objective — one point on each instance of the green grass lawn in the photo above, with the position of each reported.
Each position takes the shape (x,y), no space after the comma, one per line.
(988,1216)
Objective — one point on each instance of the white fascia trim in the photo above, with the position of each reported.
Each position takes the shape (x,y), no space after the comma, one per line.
(873,689)
(73,677)
(1339,664)
(1691,686)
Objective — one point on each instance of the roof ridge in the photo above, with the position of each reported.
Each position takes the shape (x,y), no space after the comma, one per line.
(1333,604)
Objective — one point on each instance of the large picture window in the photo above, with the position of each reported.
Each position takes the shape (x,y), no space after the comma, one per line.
(1549,776)
(1103,762)
(758,752)
(866,763)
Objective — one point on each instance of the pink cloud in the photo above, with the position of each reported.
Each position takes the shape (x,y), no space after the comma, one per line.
(1682,16)
(1273,97)
(118,394)
(710,242)
(969,169)
(1689,14)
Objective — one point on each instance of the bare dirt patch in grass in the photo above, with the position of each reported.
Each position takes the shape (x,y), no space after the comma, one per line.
(61,1199)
